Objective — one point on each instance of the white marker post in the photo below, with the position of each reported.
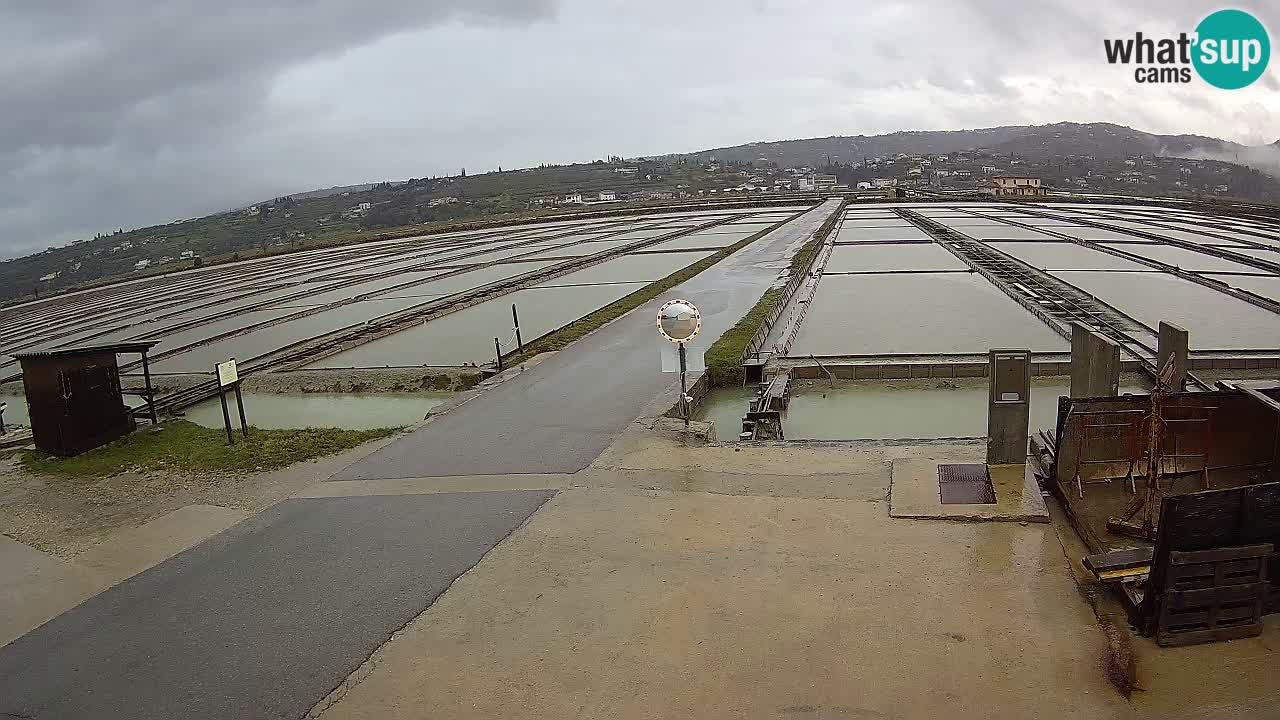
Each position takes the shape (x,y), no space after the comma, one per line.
(679,322)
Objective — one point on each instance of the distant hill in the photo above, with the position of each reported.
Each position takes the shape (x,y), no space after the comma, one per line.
(336,190)
(1097,156)
(1101,140)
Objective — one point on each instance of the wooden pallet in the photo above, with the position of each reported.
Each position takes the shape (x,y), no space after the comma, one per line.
(1212,595)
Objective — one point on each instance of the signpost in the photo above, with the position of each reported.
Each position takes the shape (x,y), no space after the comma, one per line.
(229,377)
(679,322)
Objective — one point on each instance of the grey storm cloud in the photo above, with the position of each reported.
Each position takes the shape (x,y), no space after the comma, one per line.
(137,112)
(99,97)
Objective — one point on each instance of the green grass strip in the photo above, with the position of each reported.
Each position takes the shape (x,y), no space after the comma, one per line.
(577,329)
(724,357)
(184,447)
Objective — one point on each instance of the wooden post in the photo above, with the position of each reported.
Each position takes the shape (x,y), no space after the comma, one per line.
(497,348)
(244,425)
(516,319)
(226,416)
(151,394)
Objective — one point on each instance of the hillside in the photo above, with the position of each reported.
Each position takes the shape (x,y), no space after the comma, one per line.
(1100,140)
(1093,157)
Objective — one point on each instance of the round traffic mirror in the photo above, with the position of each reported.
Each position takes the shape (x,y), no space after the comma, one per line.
(679,321)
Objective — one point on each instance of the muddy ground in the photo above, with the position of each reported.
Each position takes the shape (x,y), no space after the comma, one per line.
(65,516)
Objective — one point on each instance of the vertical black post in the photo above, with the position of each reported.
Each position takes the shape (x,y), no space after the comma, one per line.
(497,348)
(151,394)
(244,425)
(226,416)
(2,407)
(516,319)
(684,404)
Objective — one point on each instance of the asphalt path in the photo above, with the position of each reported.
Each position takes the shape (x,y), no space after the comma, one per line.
(265,619)
(558,416)
(260,621)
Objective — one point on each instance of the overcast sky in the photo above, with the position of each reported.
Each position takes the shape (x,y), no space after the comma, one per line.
(135,112)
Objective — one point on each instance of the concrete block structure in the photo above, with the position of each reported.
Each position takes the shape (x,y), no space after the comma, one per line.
(1095,363)
(1009,406)
(1174,342)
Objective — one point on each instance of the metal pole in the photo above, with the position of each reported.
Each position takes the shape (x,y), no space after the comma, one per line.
(151,394)
(516,319)
(244,425)
(684,404)
(226,416)
(497,348)
(2,407)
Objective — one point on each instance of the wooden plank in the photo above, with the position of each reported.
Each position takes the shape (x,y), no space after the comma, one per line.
(1228,569)
(1123,575)
(1119,559)
(1218,555)
(1182,599)
(1226,617)
(1266,401)
(1195,637)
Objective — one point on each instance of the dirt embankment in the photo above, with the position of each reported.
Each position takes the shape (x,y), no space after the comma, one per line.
(366,380)
(371,380)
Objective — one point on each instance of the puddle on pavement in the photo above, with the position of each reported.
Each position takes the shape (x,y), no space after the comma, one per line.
(890,409)
(297,410)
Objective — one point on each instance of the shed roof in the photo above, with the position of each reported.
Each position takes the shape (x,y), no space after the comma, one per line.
(122,347)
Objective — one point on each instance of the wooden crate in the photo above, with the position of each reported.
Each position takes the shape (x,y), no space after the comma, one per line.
(1211,595)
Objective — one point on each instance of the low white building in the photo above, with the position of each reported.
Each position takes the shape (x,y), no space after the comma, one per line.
(573,198)
(142,265)
(608,195)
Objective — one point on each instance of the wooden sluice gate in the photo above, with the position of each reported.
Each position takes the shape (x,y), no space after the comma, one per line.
(763,420)
(1177,496)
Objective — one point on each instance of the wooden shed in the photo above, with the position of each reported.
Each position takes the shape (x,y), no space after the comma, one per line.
(75,398)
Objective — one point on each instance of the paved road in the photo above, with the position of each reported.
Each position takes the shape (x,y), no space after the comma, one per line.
(261,621)
(560,415)
(265,619)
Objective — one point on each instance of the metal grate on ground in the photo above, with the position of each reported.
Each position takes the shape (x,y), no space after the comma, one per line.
(965,484)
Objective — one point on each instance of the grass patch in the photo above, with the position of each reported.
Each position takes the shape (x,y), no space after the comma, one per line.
(183,446)
(724,357)
(577,329)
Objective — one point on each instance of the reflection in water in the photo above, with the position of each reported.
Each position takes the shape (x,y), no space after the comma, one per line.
(891,409)
(297,410)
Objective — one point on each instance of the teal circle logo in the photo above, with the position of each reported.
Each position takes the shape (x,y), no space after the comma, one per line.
(1232,49)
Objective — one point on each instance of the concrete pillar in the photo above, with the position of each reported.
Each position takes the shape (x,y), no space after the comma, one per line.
(1009,405)
(1174,342)
(1095,363)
